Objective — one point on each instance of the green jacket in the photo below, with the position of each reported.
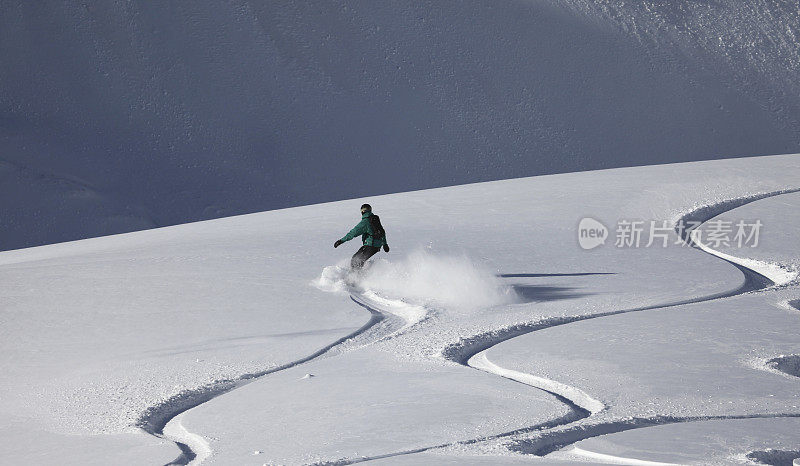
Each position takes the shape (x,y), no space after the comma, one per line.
(365,230)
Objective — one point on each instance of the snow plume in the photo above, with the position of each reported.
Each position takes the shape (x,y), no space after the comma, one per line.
(434,280)
(333,278)
(423,278)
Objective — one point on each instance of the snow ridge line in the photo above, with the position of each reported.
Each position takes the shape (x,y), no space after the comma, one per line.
(785,364)
(566,419)
(775,273)
(791,305)
(772,456)
(194,448)
(577,396)
(155,419)
(557,439)
(403,315)
(613,459)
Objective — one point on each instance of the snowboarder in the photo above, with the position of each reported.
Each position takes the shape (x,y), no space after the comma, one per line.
(373,236)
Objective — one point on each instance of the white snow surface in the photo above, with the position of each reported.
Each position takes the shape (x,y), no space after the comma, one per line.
(100,334)
(702,442)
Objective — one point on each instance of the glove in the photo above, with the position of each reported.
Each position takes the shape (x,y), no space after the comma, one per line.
(386,247)
(338,243)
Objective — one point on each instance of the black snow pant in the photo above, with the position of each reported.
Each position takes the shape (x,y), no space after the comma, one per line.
(361,256)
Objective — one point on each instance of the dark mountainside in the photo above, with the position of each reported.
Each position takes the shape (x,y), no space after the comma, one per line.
(123,116)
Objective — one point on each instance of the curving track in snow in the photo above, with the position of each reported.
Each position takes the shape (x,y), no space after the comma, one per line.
(471,352)
(164,419)
(758,276)
(389,319)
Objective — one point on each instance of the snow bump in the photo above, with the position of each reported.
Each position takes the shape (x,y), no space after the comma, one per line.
(789,365)
(775,457)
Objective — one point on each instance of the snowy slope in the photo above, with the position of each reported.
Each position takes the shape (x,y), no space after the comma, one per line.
(123,116)
(742,369)
(109,338)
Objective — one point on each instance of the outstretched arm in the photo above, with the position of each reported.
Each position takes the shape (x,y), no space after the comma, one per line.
(357,230)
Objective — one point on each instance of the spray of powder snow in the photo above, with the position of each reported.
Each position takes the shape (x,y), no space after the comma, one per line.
(437,281)
(333,278)
(427,279)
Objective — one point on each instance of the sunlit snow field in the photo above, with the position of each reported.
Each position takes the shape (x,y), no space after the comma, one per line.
(486,334)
